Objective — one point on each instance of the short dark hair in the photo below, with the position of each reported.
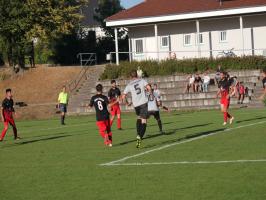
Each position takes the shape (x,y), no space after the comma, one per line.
(264,70)
(99,88)
(134,74)
(8,90)
(113,81)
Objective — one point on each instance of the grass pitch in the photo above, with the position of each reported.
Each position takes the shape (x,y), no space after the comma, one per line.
(197,158)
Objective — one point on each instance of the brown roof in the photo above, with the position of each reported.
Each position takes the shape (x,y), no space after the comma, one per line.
(152,8)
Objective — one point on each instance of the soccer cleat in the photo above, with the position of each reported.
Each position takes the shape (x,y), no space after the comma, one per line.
(110,145)
(120,129)
(17,138)
(225,123)
(231,120)
(138,142)
(1,140)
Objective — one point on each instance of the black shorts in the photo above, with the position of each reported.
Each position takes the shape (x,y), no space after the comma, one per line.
(63,107)
(142,111)
(155,114)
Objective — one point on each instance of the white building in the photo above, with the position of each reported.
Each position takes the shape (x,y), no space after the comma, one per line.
(159,29)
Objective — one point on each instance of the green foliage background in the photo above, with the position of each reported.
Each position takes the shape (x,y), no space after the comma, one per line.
(169,67)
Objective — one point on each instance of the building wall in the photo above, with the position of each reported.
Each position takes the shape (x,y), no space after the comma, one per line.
(254,38)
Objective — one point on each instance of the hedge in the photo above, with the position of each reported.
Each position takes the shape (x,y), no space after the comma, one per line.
(169,67)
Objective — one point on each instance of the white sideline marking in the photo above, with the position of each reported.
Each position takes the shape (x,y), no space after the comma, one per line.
(190,162)
(112,163)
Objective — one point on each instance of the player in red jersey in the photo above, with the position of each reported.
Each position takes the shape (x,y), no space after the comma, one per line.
(7,111)
(225,93)
(114,94)
(101,103)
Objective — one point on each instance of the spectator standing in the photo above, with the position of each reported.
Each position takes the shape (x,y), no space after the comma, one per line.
(197,83)
(191,80)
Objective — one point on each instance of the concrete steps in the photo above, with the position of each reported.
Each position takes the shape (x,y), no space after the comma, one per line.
(172,92)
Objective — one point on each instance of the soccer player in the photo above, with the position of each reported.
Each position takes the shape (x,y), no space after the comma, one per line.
(101,103)
(7,111)
(225,93)
(114,94)
(62,104)
(157,93)
(138,87)
(153,108)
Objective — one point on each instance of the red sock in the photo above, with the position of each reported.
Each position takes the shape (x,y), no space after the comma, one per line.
(225,116)
(118,122)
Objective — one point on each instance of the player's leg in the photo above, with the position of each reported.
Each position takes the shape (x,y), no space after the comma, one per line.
(103,131)
(63,112)
(159,121)
(144,117)
(119,120)
(15,131)
(109,133)
(4,130)
(112,112)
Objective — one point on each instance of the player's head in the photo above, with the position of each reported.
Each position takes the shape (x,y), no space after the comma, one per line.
(64,88)
(264,72)
(8,92)
(155,86)
(113,83)
(223,75)
(134,74)
(99,88)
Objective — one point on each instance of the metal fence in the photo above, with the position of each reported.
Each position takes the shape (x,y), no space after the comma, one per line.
(87,59)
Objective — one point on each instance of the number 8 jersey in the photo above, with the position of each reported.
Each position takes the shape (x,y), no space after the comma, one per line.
(100,103)
(137,88)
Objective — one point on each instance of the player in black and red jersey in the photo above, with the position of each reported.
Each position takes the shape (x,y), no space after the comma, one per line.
(101,103)
(7,111)
(114,94)
(225,92)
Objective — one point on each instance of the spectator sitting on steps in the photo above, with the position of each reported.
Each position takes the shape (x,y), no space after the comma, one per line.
(206,82)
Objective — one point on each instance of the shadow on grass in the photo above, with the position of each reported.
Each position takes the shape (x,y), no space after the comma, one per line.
(187,137)
(169,132)
(41,139)
(248,120)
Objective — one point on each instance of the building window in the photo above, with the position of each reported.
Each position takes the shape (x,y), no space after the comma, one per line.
(139,46)
(187,40)
(223,36)
(200,38)
(165,41)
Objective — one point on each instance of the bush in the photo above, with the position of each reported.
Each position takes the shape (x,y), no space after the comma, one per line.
(170,67)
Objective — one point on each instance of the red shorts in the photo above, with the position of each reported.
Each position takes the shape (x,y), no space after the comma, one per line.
(225,102)
(104,126)
(115,110)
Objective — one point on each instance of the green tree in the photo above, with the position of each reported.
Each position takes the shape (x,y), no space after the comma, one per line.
(107,8)
(23,20)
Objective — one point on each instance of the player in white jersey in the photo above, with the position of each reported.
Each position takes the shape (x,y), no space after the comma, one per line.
(157,93)
(138,88)
(153,108)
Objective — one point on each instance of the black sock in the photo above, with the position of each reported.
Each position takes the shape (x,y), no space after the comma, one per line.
(138,126)
(143,130)
(160,125)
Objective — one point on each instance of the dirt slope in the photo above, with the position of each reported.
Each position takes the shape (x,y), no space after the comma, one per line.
(38,86)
